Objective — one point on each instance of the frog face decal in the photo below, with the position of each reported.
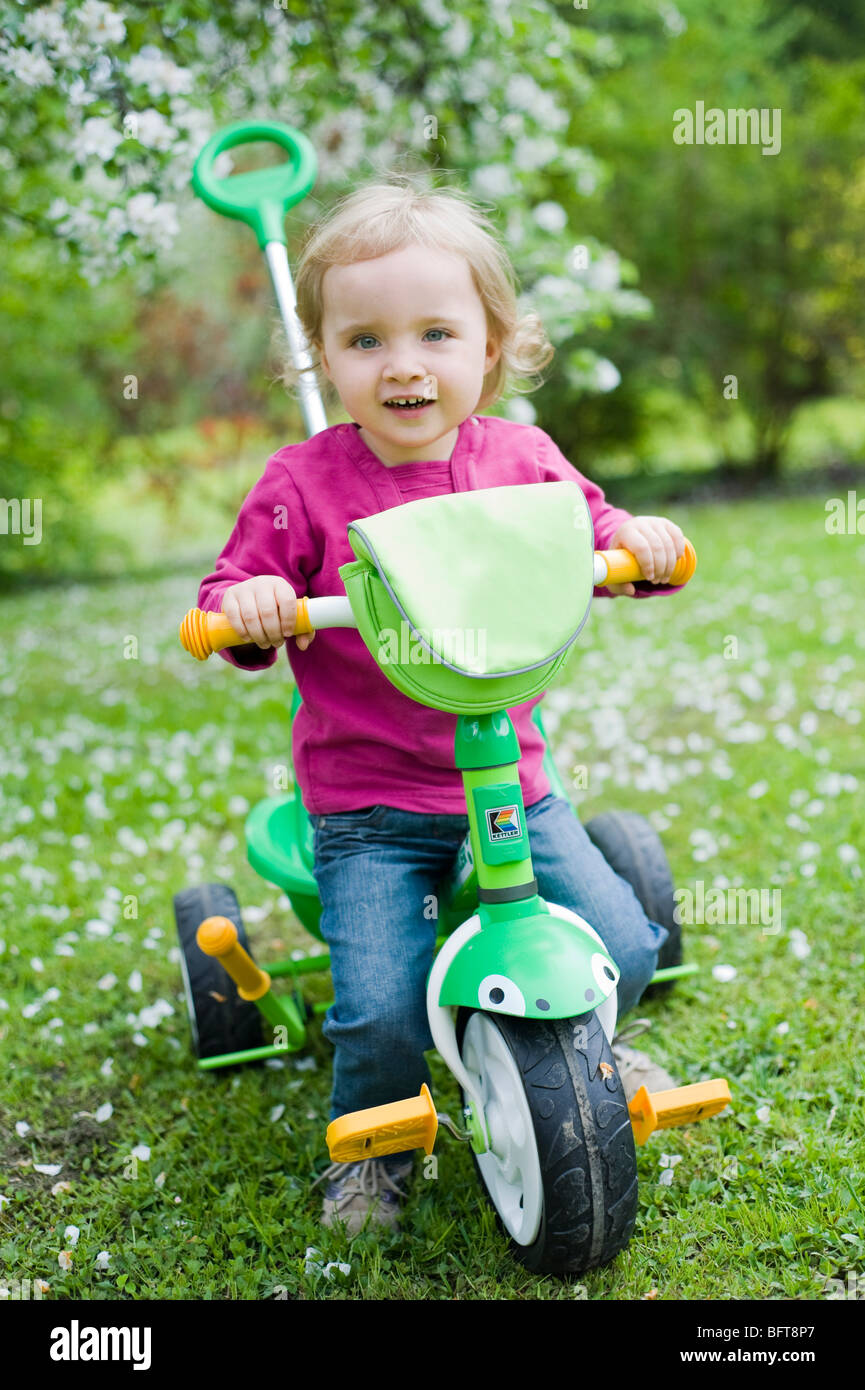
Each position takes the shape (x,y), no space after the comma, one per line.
(500,994)
(606,976)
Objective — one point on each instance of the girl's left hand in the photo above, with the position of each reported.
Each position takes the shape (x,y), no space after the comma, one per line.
(655,542)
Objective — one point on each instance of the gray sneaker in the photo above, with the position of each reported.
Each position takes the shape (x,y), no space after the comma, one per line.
(637,1069)
(367,1191)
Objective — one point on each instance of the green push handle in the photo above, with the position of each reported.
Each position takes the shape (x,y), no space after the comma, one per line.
(260,197)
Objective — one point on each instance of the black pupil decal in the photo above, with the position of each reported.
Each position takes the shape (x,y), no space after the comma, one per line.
(610,974)
(496,995)
(542,1004)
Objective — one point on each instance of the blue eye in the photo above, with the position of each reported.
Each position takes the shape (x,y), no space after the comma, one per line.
(371,337)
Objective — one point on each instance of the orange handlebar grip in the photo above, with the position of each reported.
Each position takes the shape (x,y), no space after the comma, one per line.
(203,633)
(217,936)
(301,621)
(623,568)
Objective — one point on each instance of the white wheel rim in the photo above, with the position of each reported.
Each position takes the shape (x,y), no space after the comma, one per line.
(511,1169)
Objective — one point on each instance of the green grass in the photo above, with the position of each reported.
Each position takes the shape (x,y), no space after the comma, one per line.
(127,777)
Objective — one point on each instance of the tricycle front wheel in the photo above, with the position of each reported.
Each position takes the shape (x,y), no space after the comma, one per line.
(561,1171)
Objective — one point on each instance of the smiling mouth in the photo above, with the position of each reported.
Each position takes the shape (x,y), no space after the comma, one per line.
(409,403)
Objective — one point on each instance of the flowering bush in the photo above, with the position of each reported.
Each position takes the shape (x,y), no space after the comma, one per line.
(110,108)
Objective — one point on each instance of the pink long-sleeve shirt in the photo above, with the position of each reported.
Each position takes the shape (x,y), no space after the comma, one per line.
(358,741)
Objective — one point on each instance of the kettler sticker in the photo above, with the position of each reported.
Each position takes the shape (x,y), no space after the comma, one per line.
(503,823)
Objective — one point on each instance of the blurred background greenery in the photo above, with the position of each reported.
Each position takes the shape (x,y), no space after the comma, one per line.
(140,396)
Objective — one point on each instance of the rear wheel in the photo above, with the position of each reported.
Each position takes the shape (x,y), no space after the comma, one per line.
(219,1020)
(561,1172)
(633,849)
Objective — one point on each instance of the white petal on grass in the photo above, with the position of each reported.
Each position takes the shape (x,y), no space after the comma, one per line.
(848,854)
(757,790)
(135,982)
(306,1064)
(31,1010)
(37,965)
(102,1259)
(666,1178)
(96,927)
(141,1152)
(104,1112)
(71,1234)
(106,1068)
(799,944)
(107,981)
(724,973)
(764,1114)
(49,1169)
(277,1113)
(21,1128)
(159,1181)
(782,1028)
(64,1259)
(4,1201)
(747,732)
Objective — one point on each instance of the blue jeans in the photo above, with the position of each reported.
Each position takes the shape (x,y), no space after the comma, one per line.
(377,870)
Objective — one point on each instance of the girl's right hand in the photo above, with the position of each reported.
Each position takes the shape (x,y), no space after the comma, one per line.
(264,609)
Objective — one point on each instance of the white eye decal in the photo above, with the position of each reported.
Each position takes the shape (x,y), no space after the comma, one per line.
(606,975)
(500,994)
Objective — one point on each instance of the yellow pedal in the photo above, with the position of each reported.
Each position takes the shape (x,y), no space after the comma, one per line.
(384,1129)
(680,1106)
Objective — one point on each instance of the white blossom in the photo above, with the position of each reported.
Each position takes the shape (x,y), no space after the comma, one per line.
(33,69)
(151,129)
(158,73)
(103,25)
(98,138)
(607,376)
(551,217)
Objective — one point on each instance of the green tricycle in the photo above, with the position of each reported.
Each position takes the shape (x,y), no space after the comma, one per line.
(521,995)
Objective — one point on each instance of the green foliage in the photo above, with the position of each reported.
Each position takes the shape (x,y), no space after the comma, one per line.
(750,259)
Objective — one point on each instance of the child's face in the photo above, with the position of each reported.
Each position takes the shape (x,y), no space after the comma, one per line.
(391,323)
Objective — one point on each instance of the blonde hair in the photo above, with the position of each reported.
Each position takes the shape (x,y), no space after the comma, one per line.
(383,217)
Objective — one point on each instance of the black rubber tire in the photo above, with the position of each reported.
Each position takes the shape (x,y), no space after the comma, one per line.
(634,850)
(584,1138)
(219,1020)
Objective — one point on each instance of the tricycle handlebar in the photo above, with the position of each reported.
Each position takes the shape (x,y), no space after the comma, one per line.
(202,633)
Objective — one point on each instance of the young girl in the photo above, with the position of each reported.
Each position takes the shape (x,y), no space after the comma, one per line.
(407,296)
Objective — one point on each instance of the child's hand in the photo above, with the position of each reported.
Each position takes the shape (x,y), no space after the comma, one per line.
(655,543)
(264,609)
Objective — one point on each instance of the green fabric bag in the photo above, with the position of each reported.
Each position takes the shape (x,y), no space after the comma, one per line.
(471,602)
